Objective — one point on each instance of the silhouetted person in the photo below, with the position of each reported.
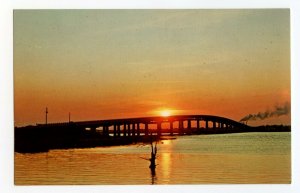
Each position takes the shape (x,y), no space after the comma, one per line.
(153,156)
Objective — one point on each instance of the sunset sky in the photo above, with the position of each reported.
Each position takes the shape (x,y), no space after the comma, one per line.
(101,64)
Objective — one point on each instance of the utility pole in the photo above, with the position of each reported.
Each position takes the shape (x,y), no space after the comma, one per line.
(46,114)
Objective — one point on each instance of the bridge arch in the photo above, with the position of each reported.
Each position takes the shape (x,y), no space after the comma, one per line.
(177,124)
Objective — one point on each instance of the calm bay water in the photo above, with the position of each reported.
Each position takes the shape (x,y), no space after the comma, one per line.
(198,159)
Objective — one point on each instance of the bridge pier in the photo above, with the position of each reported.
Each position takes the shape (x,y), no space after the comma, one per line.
(128,130)
(227,126)
(133,129)
(119,130)
(198,124)
(124,130)
(189,127)
(180,128)
(171,127)
(206,124)
(189,124)
(159,129)
(105,130)
(214,124)
(138,129)
(115,130)
(146,129)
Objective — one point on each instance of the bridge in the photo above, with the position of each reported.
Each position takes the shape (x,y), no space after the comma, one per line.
(185,124)
(120,131)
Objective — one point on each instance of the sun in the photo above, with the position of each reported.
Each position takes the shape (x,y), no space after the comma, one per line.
(165,113)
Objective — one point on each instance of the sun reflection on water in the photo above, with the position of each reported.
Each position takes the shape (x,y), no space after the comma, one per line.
(166,165)
(165,159)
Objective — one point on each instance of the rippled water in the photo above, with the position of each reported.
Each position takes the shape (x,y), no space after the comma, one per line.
(198,159)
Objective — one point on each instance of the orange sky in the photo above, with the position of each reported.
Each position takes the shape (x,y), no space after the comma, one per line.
(100,64)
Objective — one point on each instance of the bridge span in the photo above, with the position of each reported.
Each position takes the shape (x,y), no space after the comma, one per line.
(119,131)
(179,124)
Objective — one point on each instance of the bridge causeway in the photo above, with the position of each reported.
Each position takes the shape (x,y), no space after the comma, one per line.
(119,131)
(132,126)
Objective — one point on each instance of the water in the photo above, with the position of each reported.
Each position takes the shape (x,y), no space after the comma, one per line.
(199,159)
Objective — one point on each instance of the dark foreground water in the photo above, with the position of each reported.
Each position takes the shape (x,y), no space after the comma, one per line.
(198,159)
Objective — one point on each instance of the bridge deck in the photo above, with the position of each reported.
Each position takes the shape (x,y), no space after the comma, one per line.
(118,131)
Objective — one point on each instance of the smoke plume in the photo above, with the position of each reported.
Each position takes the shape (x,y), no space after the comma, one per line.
(278,111)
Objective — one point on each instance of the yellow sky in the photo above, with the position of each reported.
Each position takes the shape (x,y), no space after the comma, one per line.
(100,64)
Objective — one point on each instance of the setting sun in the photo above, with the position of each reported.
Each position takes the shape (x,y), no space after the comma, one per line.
(165,113)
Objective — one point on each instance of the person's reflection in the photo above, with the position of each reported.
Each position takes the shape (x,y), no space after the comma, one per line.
(153,176)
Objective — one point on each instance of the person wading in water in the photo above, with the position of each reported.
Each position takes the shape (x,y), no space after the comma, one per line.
(152,159)
(153,156)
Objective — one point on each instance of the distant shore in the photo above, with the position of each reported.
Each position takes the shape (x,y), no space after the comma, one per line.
(270,128)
